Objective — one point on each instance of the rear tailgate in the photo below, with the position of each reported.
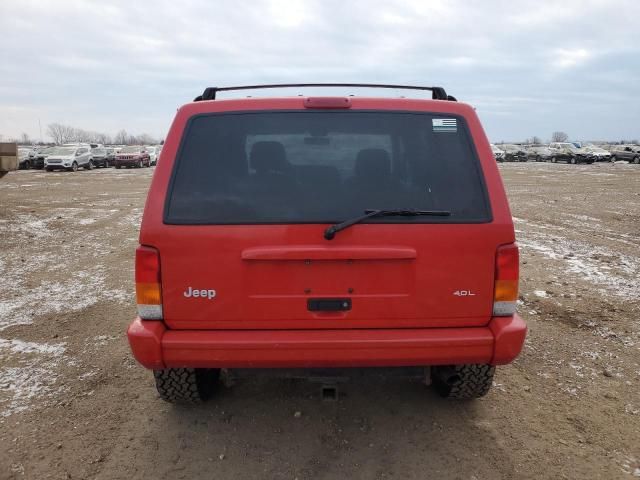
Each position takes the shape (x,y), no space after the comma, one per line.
(430,276)
(234,255)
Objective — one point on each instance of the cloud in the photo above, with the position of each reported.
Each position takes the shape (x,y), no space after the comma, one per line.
(567,58)
(115,64)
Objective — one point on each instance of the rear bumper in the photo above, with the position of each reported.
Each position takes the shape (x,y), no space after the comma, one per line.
(156,347)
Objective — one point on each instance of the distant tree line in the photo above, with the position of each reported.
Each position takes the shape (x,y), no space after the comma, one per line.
(555,137)
(67,134)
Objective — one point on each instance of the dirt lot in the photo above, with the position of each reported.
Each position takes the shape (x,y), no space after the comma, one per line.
(73,404)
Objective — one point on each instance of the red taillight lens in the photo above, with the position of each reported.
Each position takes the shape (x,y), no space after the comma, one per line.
(506,280)
(148,288)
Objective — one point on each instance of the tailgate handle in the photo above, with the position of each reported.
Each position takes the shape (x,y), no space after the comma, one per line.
(329,304)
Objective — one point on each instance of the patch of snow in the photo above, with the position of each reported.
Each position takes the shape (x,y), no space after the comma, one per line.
(630,409)
(83,289)
(16,346)
(86,375)
(28,373)
(614,272)
(102,340)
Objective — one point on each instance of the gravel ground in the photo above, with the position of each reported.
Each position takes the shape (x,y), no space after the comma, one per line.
(73,403)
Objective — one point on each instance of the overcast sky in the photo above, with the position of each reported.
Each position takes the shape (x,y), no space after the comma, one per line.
(529,67)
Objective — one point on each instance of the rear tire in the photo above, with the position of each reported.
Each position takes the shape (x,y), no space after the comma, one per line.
(636,160)
(186,385)
(463,382)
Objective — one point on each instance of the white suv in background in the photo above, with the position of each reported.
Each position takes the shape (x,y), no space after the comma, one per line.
(69,157)
(153,154)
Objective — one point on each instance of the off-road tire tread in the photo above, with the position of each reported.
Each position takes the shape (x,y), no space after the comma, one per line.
(185,385)
(475,382)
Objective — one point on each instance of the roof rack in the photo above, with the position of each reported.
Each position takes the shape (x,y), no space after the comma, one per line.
(437,93)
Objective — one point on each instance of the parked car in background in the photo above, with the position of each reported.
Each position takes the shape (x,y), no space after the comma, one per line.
(111,155)
(630,153)
(37,161)
(153,154)
(69,157)
(497,153)
(538,153)
(568,152)
(34,151)
(132,156)
(100,156)
(24,161)
(599,154)
(514,153)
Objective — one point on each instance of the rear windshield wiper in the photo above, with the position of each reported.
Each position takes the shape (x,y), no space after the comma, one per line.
(330,232)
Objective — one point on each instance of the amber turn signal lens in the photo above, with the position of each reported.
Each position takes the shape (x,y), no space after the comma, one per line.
(148,294)
(506,291)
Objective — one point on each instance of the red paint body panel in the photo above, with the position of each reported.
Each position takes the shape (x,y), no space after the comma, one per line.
(156,347)
(322,252)
(509,334)
(401,277)
(145,339)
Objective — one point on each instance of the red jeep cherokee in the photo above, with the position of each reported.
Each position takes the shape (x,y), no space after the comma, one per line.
(326,232)
(132,156)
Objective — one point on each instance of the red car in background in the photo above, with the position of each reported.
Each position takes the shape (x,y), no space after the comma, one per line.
(132,156)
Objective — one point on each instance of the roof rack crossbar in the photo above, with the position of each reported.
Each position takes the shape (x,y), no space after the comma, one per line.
(437,93)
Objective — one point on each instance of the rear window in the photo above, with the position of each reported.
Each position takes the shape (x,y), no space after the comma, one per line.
(324,167)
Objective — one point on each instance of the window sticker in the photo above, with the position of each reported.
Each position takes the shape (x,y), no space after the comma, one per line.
(445,125)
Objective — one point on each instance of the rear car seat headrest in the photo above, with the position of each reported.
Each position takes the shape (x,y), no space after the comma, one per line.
(269,157)
(373,162)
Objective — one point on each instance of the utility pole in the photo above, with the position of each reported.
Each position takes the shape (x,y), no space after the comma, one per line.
(40,127)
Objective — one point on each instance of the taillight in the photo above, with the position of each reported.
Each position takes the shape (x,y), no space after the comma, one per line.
(148,289)
(505,293)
